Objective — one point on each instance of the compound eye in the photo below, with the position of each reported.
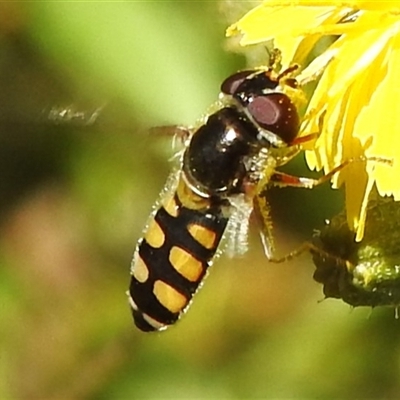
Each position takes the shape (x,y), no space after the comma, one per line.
(276,113)
(230,84)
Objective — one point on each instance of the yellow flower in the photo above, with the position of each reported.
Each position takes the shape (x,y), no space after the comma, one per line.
(355,108)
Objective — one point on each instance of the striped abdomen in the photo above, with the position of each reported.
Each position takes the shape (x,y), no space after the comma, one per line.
(173,257)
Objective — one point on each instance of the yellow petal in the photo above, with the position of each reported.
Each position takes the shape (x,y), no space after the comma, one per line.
(376,5)
(355,107)
(382,120)
(264,23)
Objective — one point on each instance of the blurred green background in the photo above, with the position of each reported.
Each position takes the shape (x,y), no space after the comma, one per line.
(74,198)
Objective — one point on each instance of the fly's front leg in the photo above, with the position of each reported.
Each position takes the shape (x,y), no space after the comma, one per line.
(281,179)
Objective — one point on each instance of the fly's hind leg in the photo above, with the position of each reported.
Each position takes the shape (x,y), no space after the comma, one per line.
(261,212)
(280,179)
(262,215)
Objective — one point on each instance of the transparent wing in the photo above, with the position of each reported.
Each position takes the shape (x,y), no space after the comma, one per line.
(71,115)
(236,238)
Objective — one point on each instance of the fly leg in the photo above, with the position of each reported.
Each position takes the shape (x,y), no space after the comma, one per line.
(280,179)
(261,212)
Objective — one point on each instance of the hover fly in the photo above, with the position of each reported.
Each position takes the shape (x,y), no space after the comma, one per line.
(225,169)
